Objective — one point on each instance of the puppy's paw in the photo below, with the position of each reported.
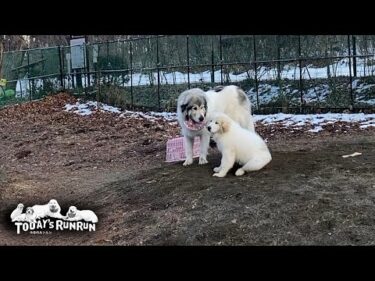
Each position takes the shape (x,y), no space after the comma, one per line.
(240,172)
(219,175)
(217,169)
(202,161)
(188,162)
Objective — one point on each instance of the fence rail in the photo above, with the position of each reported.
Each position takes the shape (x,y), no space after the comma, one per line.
(279,73)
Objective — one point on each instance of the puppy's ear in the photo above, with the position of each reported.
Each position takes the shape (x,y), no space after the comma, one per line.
(224,125)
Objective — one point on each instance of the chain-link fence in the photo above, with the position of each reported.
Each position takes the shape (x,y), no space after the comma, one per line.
(279,73)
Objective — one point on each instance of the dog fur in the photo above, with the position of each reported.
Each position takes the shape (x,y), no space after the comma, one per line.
(75,215)
(237,145)
(29,216)
(17,211)
(52,209)
(194,107)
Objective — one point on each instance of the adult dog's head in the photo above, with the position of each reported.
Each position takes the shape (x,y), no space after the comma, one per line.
(219,123)
(193,105)
(53,206)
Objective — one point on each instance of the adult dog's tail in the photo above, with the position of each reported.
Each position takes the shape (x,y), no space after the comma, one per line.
(246,104)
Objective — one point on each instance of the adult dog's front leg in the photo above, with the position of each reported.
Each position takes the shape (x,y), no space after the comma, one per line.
(188,150)
(204,144)
(227,162)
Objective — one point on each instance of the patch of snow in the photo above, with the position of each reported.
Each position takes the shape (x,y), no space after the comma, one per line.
(316,129)
(87,108)
(292,121)
(367,126)
(318,120)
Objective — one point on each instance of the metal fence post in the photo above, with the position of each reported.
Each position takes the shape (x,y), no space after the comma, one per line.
(61,69)
(300,72)
(28,74)
(131,73)
(87,65)
(123,61)
(188,60)
(350,74)
(107,63)
(158,69)
(107,44)
(256,70)
(354,55)
(20,86)
(221,61)
(278,58)
(212,61)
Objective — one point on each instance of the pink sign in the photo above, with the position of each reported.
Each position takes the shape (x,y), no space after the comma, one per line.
(176,149)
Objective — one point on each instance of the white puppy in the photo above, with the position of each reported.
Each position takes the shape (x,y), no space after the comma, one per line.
(75,215)
(17,211)
(237,145)
(52,209)
(194,107)
(29,216)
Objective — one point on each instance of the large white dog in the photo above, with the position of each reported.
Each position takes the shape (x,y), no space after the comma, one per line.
(194,107)
(52,209)
(237,145)
(74,214)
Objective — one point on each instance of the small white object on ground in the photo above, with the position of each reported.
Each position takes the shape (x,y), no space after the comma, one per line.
(352,155)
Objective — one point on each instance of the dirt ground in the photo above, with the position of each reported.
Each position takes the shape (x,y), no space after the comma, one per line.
(307,195)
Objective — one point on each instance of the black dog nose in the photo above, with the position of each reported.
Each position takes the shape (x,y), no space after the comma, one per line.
(209,128)
(201,118)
